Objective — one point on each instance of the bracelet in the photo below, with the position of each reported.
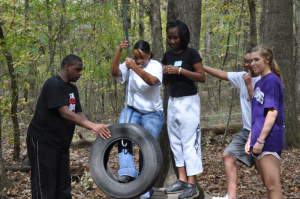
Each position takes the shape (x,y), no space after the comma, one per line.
(179,71)
(260,141)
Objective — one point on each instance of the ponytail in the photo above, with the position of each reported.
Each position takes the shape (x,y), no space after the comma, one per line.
(275,69)
(267,54)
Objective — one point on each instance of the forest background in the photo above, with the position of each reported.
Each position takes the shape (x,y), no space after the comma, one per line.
(36,35)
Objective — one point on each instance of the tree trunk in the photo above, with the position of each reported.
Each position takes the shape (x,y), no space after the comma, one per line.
(141,15)
(253,30)
(156,30)
(209,78)
(51,44)
(128,14)
(297,55)
(277,33)
(4,182)
(14,99)
(189,12)
(247,44)
(31,96)
(169,171)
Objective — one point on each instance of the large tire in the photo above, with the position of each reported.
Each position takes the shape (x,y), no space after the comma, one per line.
(99,157)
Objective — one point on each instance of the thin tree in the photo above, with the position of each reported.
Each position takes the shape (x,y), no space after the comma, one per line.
(253,29)
(4,182)
(141,15)
(297,55)
(14,96)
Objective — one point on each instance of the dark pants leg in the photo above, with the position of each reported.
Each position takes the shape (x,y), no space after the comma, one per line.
(63,184)
(50,171)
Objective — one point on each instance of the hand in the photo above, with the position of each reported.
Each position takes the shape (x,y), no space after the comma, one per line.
(247,147)
(247,78)
(102,130)
(169,69)
(124,44)
(130,63)
(257,148)
(200,53)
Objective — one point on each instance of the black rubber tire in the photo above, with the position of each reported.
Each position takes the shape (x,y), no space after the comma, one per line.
(99,158)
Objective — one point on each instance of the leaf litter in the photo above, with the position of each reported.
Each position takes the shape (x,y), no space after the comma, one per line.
(212,180)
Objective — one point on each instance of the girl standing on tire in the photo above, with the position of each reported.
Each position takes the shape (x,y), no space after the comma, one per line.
(144,102)
(182,68)
(266,139)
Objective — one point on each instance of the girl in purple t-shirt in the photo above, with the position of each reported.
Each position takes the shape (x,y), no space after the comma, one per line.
(266,139)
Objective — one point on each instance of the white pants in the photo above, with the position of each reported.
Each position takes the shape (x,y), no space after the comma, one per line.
(185,133)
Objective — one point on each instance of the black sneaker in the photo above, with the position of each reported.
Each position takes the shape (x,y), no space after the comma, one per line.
(177,187)
(190,192)
(125,179)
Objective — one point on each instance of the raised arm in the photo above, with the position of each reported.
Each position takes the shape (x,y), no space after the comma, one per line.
(114,68)
(248,82)
(216,73)
(148,78)
(81,120)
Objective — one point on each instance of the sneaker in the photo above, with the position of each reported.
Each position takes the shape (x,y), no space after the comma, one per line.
(125,179)
(177,187)
(190,192)
(147,195)
(225,197)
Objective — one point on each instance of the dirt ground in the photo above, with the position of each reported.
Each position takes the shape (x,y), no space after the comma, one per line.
(212,180)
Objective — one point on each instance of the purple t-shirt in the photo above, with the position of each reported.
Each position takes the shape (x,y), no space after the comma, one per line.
(268,93)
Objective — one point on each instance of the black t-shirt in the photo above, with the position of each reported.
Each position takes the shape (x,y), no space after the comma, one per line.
(180,85)
(47,125)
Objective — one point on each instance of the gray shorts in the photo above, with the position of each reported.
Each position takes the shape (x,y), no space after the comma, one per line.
(237,148)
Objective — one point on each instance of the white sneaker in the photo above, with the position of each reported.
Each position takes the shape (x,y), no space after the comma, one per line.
(225,197)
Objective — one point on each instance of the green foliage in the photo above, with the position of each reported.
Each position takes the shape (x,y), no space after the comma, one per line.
(93,30)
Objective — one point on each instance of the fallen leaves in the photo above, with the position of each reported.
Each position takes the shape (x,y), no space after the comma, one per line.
(212,180)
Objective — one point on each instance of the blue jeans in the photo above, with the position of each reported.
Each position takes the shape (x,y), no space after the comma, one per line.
(152,122)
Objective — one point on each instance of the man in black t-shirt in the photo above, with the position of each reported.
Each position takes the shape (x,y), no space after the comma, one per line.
(51,131)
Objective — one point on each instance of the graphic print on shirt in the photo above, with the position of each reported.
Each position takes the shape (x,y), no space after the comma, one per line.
(72,102)
(259,95)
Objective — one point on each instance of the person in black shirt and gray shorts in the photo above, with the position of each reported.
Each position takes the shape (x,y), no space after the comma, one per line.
(182,68)
(51,131)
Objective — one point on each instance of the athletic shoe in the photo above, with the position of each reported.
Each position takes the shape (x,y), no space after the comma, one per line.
(147,195)
(225,197)
(190,192)
(125,179)
(177,187)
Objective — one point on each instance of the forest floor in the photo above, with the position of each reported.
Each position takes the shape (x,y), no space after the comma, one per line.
(212,180)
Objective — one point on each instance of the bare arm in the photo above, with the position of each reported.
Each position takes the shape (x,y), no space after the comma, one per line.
(165,75)
(248,82)
(82,115)
(247,146)
(269,123)
(148,78)
(82,121)
(197,76)
(114,68)
(216,73)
